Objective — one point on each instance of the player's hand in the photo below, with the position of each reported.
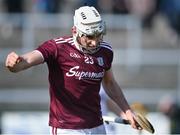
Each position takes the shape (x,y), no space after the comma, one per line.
(130,116)
(12,60)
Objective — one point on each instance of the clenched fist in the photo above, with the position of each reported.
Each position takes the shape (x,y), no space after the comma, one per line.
(12,60)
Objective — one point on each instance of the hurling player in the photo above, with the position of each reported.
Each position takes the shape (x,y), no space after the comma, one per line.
(77,66)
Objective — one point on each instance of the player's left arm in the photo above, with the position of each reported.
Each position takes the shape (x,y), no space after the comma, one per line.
(114,91)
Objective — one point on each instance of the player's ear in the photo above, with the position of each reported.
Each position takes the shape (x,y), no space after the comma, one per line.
(74,30)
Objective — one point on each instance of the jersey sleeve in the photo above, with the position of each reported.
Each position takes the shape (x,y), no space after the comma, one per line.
(110,60)
(107,53)
(48,50)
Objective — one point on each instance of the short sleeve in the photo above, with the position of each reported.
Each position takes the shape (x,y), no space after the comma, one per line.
(48,50)
(109,60)
(107,53)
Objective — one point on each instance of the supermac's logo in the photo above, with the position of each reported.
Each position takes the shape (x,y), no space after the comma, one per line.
(74,71)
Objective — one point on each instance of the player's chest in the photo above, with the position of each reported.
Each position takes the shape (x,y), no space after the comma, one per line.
(87,62)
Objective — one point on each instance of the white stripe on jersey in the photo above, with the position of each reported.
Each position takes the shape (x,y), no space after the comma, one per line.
(106,45)
(62,40)
(58,39)
(70,40)
(58,42)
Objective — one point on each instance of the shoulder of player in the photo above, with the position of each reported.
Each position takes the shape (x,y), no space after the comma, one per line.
(105,45)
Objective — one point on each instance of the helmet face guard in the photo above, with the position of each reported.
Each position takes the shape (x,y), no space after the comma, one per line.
(88,22)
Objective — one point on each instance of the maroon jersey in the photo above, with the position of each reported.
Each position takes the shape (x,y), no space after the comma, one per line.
(74,79)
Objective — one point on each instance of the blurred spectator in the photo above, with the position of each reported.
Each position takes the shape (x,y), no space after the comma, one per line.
(47,6)
(171,10)
(105,6)
(113,6)
(89,2)
(119,7)
(143,9)
(12,6)
(169,107)
(93,3)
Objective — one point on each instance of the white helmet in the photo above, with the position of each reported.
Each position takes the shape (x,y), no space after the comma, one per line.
(88,21)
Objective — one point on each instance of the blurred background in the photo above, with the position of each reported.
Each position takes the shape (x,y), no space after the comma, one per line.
(144,34)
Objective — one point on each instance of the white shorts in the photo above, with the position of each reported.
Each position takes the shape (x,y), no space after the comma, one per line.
(100,130)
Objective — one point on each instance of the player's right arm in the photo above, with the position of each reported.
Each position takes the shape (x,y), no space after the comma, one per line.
(16,63)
